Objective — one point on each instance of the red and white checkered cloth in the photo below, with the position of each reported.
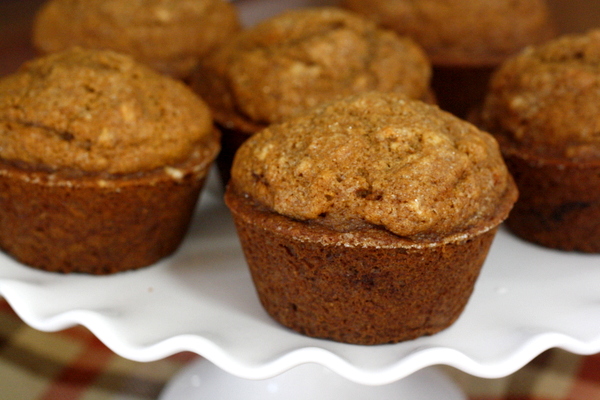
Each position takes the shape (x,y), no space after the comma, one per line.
(73,364)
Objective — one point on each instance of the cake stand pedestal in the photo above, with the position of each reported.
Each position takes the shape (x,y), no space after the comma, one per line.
(204,380)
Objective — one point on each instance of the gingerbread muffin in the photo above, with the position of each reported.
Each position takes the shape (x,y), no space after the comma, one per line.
(367,220)
(101,162)
(464,39)
(168,35)
(298,59)
(543,108)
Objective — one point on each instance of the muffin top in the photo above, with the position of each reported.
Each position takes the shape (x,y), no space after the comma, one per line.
(299,59)
(378,160)
(455,32)
(98,111)
(168,35)
(546,98)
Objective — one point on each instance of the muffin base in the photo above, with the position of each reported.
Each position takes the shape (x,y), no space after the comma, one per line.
(559,202)
(95,226)
(324,284)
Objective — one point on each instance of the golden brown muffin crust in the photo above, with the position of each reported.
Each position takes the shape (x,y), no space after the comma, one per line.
(463,31)
(546,98)
(377,160)
(169,35)
(99,112)
(301,58)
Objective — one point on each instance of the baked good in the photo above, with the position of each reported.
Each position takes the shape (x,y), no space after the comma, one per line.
(101,162)
(298,59)
(367,220)
(464,39)
(543,108)
(168,35)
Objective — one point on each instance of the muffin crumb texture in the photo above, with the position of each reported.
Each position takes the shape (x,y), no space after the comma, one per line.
(301,58)
(546,99)
(377,161)
(168,35)
(463,32)
(98,112)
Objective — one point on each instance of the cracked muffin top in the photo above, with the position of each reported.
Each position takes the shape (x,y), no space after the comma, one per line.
(546,99)
(378,160)
(99,111)
(168,35)
(455,32)
(299,59)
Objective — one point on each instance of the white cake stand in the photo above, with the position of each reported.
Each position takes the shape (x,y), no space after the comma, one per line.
(528,299)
